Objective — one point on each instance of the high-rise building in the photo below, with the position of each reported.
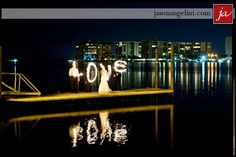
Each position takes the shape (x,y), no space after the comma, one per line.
(148,48)
(93,50)
(144,49)
(104,50)
(228,46)
(194,47)
(128,49)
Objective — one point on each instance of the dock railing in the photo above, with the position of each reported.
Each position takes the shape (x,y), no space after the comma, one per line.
(12,85)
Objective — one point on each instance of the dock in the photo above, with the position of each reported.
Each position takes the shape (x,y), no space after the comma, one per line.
(92,95)
(83,101)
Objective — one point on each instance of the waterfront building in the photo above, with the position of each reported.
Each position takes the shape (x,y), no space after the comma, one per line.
(128,49)
(143,49)
(194,47)
(93,50)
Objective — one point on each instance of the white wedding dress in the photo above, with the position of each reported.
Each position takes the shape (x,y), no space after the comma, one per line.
(104,86)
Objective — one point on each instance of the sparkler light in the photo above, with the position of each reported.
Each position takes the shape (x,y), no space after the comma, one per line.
(105,127)
(88,72)
(92,132)
(120,134)
(120,66)
(76,133)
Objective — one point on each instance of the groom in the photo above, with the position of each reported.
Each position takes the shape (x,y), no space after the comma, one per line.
(74,78)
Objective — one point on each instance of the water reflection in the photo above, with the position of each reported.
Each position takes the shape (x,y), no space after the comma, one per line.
(114,127)
(203,74)
(195,78)
(75,133)
(105,126)
(113,131)
(117,133)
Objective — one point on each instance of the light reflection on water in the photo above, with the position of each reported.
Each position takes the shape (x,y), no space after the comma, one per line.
(187,76)
(96,131)
(117,133)
(100,128)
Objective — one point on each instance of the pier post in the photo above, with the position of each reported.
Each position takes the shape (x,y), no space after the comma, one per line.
(156,125)
(172,127)
(156,68)
(0,72)
(172,68)
(17,129)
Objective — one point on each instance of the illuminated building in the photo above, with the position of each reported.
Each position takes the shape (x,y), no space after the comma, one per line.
(143,49)
(149,47)
(128,49)
(180,48)
(93,50)
(194,47)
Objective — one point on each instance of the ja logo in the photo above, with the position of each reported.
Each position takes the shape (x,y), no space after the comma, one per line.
(223,13)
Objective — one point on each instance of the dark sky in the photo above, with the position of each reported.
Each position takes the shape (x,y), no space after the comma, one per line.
(57,38)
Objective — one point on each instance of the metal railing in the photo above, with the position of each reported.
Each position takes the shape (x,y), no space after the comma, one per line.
(14,87)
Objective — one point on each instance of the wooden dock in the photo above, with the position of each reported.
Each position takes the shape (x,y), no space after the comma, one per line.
(73,102)
(92,95)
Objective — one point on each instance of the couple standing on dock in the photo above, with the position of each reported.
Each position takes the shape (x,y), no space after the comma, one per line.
(75,78)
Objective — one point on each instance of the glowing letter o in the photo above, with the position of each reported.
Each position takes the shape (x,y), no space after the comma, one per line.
(88,72)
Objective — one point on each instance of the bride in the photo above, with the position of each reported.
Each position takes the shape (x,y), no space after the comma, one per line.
(104,86)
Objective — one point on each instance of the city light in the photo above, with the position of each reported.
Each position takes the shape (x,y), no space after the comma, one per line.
(203,58)
(14,60)
(220,60)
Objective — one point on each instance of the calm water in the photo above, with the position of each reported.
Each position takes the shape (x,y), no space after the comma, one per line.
(202,114)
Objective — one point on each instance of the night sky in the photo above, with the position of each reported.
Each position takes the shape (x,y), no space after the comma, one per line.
(56,39)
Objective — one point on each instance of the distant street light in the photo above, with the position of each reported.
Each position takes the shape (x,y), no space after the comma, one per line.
(14,62)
